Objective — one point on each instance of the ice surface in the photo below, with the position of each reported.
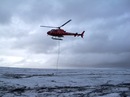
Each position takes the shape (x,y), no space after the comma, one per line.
(17,82)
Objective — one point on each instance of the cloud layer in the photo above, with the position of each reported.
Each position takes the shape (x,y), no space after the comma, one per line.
(25,44)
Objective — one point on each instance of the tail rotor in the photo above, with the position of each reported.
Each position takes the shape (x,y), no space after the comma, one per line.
(82,34)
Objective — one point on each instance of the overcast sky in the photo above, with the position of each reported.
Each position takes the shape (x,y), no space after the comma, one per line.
(106,42)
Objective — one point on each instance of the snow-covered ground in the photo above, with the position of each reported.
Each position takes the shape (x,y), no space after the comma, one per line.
(17,82)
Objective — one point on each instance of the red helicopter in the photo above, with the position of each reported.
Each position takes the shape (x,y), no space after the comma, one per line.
(58,33)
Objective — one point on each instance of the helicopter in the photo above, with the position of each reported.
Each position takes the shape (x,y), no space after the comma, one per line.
(58,33)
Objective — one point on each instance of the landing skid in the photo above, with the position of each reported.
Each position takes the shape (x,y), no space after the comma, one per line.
(55,38)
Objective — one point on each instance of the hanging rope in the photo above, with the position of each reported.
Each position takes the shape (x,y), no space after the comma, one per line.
(58,53)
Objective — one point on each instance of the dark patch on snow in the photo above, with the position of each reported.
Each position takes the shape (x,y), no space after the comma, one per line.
(18,76)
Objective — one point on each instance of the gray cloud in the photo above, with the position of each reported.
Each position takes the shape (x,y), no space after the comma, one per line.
(85,10)
(36,43)
(8,9)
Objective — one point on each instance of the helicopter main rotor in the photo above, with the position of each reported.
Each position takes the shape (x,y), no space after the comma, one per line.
(57,27)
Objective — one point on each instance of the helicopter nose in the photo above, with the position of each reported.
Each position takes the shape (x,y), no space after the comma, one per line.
(48,32)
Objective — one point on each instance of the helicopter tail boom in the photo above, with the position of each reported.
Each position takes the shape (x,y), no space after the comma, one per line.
(75,34)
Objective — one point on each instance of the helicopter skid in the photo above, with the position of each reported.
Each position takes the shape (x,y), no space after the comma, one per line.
(55,38)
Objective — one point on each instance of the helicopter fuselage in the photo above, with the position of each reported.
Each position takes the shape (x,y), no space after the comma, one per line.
(62,33)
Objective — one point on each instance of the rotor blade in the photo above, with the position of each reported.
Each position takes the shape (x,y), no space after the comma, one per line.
(48,26)
(65,23)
